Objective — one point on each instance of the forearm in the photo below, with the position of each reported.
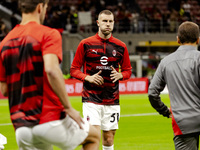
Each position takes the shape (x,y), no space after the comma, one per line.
(126,74)
(159,106)
(77,73)
(57,83)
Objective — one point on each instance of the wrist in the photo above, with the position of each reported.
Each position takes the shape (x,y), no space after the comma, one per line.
(121,75)
(86,78)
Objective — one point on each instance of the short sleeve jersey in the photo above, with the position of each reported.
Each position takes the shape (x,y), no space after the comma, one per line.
(31,98)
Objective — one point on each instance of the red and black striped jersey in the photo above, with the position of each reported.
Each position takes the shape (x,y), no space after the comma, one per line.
(31,99)
(95,54)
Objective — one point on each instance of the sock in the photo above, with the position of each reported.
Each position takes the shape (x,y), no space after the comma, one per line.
(108,147)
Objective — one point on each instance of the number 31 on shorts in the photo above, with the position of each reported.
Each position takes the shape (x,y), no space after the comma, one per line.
(114,116)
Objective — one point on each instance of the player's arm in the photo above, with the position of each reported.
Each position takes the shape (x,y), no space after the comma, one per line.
(4,88)
(126,65)
(157,85)
(78,61)
(55,78)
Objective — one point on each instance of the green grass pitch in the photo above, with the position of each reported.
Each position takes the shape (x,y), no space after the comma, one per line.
(140,127)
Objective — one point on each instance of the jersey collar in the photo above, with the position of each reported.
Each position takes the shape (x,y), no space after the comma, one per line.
(103,40)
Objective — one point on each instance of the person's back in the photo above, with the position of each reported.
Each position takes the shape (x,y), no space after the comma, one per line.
(21,54)
(180,71)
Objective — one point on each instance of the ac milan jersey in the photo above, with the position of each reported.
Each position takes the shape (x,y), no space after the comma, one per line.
(95,54)
(31,99)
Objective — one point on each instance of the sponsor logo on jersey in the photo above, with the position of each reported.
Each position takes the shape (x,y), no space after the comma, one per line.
(104,60)
(95,51)
(103,67)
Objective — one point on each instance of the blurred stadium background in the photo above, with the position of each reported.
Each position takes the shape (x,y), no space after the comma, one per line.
(148,27)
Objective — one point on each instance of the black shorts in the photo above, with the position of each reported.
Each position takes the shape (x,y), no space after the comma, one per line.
(187,141)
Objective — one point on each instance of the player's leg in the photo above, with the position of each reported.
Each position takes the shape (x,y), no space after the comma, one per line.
(186,142)
(92,114)
(108,140)
(93,139)
(67,135)
(110,119)
(27,141)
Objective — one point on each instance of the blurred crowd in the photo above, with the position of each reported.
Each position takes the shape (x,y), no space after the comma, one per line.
(131,16)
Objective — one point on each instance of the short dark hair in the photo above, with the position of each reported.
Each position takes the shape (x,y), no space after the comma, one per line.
(188,32)
(107,12)
(28,6)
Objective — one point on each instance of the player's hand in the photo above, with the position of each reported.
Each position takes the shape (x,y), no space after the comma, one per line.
(95,79)
(170,116)
(75,115)
(115,76)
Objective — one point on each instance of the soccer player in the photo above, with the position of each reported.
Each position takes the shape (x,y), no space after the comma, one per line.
(101,56)
(30,76)
(180,71)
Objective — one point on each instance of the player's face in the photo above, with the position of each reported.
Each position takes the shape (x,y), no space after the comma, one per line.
(43,13)
(105,23)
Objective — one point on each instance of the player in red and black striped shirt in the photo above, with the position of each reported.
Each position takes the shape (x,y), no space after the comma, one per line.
(31,78)
(101,56)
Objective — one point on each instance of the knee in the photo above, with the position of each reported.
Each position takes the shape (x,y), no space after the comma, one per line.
(94,135)
(24,136)
(108,138)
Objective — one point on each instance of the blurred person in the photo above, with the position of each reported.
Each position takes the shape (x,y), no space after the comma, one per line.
(3,30)
(186,6)
(180,71)
(134,21)
(101,55)
(13,20)
(173,20)
(30,76)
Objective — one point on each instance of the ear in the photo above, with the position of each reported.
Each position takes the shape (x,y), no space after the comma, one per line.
(197,42)
(178,40)
(97,23)
(39,7)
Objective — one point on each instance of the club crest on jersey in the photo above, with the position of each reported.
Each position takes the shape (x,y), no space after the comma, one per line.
(114,52)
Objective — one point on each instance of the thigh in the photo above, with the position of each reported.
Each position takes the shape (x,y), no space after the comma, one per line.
(92,113)
(64,134)
(27,141)
(110,117)
(186,142)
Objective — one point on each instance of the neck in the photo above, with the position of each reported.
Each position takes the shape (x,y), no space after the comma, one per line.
(191,44)
(26,18)
(103,36)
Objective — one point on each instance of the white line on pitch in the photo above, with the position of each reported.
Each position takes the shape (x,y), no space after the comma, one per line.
(3,104)
(143,114)
(5,124)
(129,115)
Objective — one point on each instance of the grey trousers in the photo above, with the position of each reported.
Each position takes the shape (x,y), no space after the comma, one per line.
(187,141)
